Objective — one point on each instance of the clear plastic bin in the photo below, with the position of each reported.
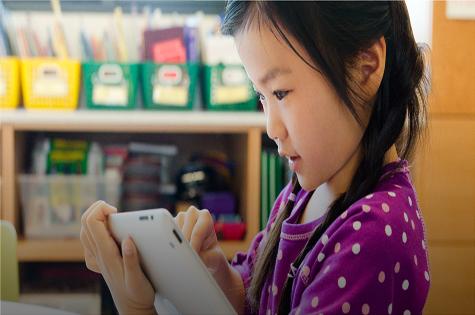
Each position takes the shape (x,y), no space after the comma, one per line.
(52,205)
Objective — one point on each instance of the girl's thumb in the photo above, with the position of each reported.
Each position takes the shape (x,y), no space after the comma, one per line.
(133,272)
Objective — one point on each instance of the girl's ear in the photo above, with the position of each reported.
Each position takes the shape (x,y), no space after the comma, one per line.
(368,69)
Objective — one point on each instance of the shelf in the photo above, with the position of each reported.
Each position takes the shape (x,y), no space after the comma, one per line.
(132,121)
(71,250)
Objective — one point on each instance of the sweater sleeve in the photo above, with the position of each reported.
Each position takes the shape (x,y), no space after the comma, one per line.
(244,262)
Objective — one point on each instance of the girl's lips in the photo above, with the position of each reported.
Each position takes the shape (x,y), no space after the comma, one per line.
(294,163)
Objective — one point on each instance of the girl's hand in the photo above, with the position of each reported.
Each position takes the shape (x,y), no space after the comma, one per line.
(130,289)
(198,228)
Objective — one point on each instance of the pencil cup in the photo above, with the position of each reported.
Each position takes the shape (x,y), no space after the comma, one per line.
(169,86)
(111,85)
(226,87)
(50,83)
(9,83)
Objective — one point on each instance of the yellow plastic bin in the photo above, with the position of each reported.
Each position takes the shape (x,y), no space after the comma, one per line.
(9,82)
(50,83)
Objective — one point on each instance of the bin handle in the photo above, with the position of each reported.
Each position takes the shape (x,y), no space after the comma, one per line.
(110,74)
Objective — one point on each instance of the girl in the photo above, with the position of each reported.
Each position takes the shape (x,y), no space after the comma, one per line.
(341,86)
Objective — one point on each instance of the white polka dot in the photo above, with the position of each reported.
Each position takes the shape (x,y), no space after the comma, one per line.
(326,269)
(426,275)
(315,301)
(344,214)
(418,215)
(388,230)
(406,218)
(404,237)
(415,259)
(324,239)
(392,194)
(357,225)
(405,285)
(397,186)
(385,207)
(305,271)
(407,312)
(320,257)
(366,208)
(381,277)
(369,196)
(412,225)
(356,249)
(268,312)
(397,267)
(279,254)
(345,308)
(365,309)
(409,200)
(337,247)
(390,309)
(274,289)
(342,282)
(423,245)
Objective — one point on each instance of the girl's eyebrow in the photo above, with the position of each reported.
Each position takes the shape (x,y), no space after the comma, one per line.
(273,73)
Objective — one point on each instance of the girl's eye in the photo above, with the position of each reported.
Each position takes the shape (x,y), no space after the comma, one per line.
(260,96)
(280,94)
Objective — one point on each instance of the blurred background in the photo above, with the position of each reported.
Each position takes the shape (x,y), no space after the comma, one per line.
(144,104)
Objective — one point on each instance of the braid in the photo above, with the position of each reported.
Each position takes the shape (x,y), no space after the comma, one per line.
(266,259)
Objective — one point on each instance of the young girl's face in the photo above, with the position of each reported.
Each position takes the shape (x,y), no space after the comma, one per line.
(312,127)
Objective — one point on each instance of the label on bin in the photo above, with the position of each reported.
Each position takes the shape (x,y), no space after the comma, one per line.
(229,86)
(229,94)
(49,80)
(110,87)
(170,95)
(170,86)
(113,95)
(3,85)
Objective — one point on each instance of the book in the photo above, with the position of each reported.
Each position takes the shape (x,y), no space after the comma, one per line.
(119,35)
(164,45)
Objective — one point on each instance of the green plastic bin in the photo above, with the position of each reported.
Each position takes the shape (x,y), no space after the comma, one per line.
(227,87)
(169,86)
(111,85)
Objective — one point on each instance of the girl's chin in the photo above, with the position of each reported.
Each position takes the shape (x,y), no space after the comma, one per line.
(306,183)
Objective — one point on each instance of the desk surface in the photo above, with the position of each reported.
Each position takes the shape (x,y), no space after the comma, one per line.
(12,308)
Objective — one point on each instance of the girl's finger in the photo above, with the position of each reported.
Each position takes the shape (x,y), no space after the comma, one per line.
(89,250)
(180,219)
(191,216)
(91,262)
(107,253)
(201,230)
(135,279)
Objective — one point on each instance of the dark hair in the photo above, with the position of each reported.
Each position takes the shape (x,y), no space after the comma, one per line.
(333,34)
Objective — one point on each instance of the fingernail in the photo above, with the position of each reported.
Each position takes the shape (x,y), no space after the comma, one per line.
(127,247)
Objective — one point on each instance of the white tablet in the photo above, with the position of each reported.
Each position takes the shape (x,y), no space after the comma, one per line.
(179,277)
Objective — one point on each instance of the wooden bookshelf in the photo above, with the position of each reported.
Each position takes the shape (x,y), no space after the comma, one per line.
(69,250)
(243,127)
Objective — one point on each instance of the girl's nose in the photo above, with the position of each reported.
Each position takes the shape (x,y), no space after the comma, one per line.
(275,126)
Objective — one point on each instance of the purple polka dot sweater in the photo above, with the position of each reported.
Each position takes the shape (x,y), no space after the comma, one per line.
(371,260)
